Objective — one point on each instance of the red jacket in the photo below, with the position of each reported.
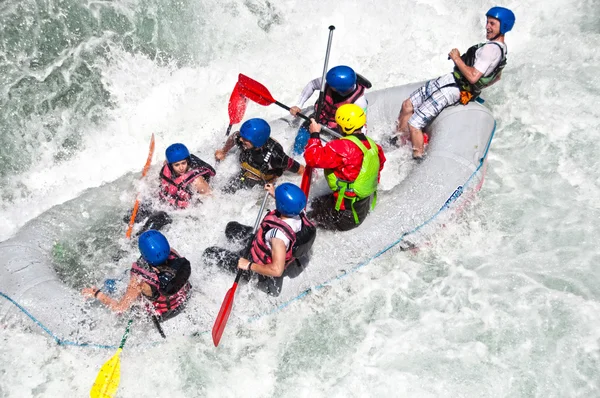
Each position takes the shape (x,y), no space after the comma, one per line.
(342,156)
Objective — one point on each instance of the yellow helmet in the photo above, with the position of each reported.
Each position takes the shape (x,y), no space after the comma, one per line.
(350,117)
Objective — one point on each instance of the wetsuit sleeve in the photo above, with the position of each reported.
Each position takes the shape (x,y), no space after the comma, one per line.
(317,155)
(382,160)
(280,160)
(311,87)
(292,165)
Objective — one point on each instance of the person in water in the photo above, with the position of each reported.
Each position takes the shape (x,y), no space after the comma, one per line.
(160,276)
(183,178)
(352,167)
(262,159)
(480,67)
(343,86)
(280,247)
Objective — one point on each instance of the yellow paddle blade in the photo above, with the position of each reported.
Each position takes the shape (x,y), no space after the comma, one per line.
(107,381)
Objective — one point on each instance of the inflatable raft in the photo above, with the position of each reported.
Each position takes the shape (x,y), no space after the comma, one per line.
(410,207)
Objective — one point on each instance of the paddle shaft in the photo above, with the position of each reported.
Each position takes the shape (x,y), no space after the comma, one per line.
(260,94)
(137,200)
(223,316)
(303,116)
(254,229)
(158,327)
(125,335)
(306,177)
(325,66)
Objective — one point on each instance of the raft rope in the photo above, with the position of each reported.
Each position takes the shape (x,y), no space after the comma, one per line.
(282,306)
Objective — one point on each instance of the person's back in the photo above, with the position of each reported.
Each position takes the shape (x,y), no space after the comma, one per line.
(168,284)
(352,166)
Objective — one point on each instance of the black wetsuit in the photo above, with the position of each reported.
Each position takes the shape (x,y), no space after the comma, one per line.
(260,165)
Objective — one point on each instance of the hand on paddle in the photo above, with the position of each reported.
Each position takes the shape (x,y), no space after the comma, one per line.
(314,127)
(244,264)
(294,110)
(221,153)
(454,54)
(270,188)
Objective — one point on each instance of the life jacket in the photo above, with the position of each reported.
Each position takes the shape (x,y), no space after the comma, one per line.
(255,162)
(260,251)
(365,183)
(304,238)
(469,59)
(176,191)
(169,283)
(327,115)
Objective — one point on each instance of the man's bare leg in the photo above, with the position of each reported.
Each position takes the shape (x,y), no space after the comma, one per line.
(416,137)
(402,132)
(406,112)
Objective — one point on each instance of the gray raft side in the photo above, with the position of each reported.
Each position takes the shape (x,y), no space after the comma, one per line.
(459,138)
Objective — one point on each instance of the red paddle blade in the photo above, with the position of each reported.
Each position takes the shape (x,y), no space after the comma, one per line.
(221,321)
(237,105)
(306,180)
(137,201)
(255,91)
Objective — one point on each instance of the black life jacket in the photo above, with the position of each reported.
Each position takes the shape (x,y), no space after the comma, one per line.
(255,161)
(469,59)
(169,282)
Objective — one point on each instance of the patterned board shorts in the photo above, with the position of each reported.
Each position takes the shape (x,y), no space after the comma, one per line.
(431,98)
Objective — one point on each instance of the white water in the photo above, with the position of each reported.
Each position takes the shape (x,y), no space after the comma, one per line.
(502,303)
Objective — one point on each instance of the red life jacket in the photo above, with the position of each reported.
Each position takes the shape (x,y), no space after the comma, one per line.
(327,115)
(260,251)
(177,191)
(163,302)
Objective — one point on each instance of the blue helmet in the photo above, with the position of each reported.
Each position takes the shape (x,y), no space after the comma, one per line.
(256,130)
(289,199)
(154,247)
(341,78)
(505,16)
(176,153)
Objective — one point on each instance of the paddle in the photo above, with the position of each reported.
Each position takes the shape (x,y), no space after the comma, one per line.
(306,177)
(223,316)
(107,381)
(237,107)
(134,213)
(258,93)
(137,200)
(158,327)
